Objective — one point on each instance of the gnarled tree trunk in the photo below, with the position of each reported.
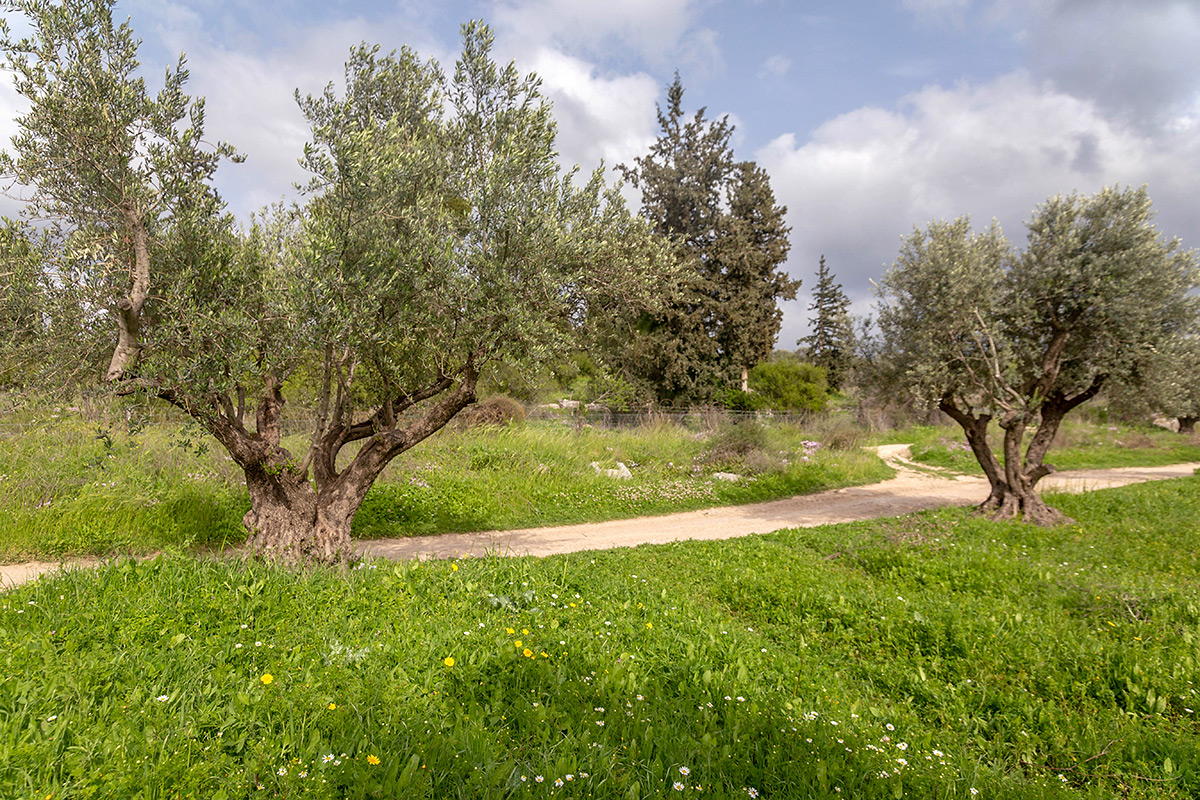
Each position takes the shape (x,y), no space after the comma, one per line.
(1187,425)
(1021,475)
(291,523)
(129,309)
(1012,484)
(295,520)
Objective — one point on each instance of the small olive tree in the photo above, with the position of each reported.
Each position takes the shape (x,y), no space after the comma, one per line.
(986,333)
(439,236)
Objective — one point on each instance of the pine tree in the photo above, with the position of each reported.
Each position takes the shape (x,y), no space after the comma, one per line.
(722,216)
(831,343)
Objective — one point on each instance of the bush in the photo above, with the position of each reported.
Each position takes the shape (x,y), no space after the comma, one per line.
(836,431)
(790,386)
(735,441)
(495,410)
(737,400)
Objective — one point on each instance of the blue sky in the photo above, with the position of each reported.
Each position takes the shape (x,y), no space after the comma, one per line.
(871,116)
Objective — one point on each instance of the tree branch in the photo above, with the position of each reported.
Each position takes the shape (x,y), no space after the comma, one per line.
(391,408)
(129,309)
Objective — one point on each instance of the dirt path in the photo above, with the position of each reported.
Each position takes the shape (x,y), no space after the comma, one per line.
(914,488)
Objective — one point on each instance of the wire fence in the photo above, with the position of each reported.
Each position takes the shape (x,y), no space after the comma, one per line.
(17,418)
(705,417)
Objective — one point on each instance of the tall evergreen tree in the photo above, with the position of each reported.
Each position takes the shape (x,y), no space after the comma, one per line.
(743,266)
(831,343)
(723,219)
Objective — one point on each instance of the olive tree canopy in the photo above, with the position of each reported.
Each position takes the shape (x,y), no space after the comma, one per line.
(984,332)
(439,236)
(1170,383)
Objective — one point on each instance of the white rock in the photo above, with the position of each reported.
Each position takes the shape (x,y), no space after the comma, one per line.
(622,472)
(726,476)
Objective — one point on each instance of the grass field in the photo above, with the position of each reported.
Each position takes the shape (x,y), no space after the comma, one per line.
(74,486)
(1079,445)
(930,656)
(69,486)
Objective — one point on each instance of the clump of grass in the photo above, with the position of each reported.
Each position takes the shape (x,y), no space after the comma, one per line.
(938,655)
(734,441)
(495,410)
(837,431)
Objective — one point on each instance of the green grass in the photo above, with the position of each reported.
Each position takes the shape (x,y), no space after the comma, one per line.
(69,486)
(73,487)
(927,656)
(541,475)
(1079,445)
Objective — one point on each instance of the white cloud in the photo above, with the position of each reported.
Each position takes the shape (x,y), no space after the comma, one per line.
(1139,60)
(11,104)
(653,30)
(864,179)
(936,6)
(603,113)
(776,67)
(598,118)
(952,12)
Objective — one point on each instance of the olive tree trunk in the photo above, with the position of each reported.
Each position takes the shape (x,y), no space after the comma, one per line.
(295,519)
(290,522)
(1021,475)
(1013,484)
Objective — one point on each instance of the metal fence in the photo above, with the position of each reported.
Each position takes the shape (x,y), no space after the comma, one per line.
(701,418)
(135,416)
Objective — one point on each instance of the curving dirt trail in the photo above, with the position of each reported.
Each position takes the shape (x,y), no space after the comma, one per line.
(914,488)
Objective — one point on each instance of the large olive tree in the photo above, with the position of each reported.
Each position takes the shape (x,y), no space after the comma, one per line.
(987,333)
(439,236)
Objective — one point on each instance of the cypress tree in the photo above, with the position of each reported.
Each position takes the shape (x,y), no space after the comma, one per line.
(831,343)
(722,217)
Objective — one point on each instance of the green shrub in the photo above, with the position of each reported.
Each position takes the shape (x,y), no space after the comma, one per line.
(790,386)
(737,400)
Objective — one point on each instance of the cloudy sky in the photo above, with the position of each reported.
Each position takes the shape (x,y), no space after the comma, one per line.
(871,116)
